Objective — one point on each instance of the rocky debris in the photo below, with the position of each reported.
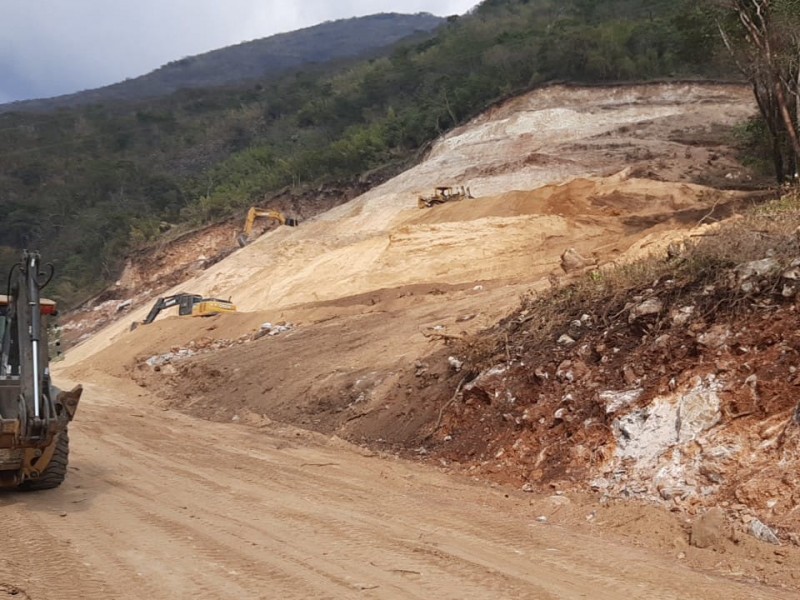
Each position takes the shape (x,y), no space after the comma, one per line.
(681,316)
(271,330)
(763,533)
(667,421)
(756,268)
(793,272)
(455,363)
(614,401)
(716,337)
(489,386)
(421,368)
(205,345)
(160,360)
(682,395)
(646,308)
(752,277)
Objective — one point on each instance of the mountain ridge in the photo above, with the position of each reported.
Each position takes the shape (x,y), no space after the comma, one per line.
(250,60)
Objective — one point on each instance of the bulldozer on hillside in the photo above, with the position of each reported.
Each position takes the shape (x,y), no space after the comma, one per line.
(255,213)
(34,414)
(444,194)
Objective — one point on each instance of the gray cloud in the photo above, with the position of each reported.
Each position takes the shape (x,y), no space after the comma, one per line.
(52,47)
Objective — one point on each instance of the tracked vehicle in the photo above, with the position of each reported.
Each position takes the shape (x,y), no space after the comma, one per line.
(258,213)
(34,414)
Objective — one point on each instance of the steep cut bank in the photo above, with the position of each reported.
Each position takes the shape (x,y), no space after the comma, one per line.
(673,382)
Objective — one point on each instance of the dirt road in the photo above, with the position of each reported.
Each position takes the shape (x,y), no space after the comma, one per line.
(161,505)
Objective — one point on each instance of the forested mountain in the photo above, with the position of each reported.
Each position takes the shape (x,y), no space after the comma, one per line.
(264,58)
(88,184)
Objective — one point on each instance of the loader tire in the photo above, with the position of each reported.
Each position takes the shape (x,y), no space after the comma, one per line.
(54,474)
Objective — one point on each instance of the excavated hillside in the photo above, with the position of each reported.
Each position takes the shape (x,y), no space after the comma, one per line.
(432,332)
(365,289)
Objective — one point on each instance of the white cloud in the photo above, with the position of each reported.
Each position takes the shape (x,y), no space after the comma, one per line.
(51,47)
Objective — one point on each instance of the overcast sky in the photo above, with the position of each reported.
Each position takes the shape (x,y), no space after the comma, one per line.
(52,47)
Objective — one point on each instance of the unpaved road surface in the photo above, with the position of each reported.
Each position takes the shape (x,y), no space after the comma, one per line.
(161,505)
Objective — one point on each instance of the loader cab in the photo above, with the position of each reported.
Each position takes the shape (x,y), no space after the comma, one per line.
(9,343)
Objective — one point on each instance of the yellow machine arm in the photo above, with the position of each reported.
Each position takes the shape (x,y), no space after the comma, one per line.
(256,213)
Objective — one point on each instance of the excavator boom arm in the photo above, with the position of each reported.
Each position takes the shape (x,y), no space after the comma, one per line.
(161,304)
(255,213)
(189,304)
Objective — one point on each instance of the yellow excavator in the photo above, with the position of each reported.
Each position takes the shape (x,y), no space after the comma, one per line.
(34,413)
(188,305)
(256,213)
(442,194)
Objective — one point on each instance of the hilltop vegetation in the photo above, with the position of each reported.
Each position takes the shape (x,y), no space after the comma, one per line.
(89,184)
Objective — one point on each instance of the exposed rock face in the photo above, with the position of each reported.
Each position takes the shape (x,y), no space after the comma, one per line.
(664,396)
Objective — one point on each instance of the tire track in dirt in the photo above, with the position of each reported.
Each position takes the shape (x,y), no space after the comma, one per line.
(13,591)
(161,505)
(37,564)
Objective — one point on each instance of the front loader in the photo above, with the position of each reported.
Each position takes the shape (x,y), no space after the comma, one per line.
(34,414)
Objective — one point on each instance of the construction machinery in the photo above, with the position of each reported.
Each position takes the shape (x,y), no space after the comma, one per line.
(256,213)
(444,194)
(34,414)
(193,305)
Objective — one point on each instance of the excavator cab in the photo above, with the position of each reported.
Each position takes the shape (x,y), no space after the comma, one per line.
(34,414)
